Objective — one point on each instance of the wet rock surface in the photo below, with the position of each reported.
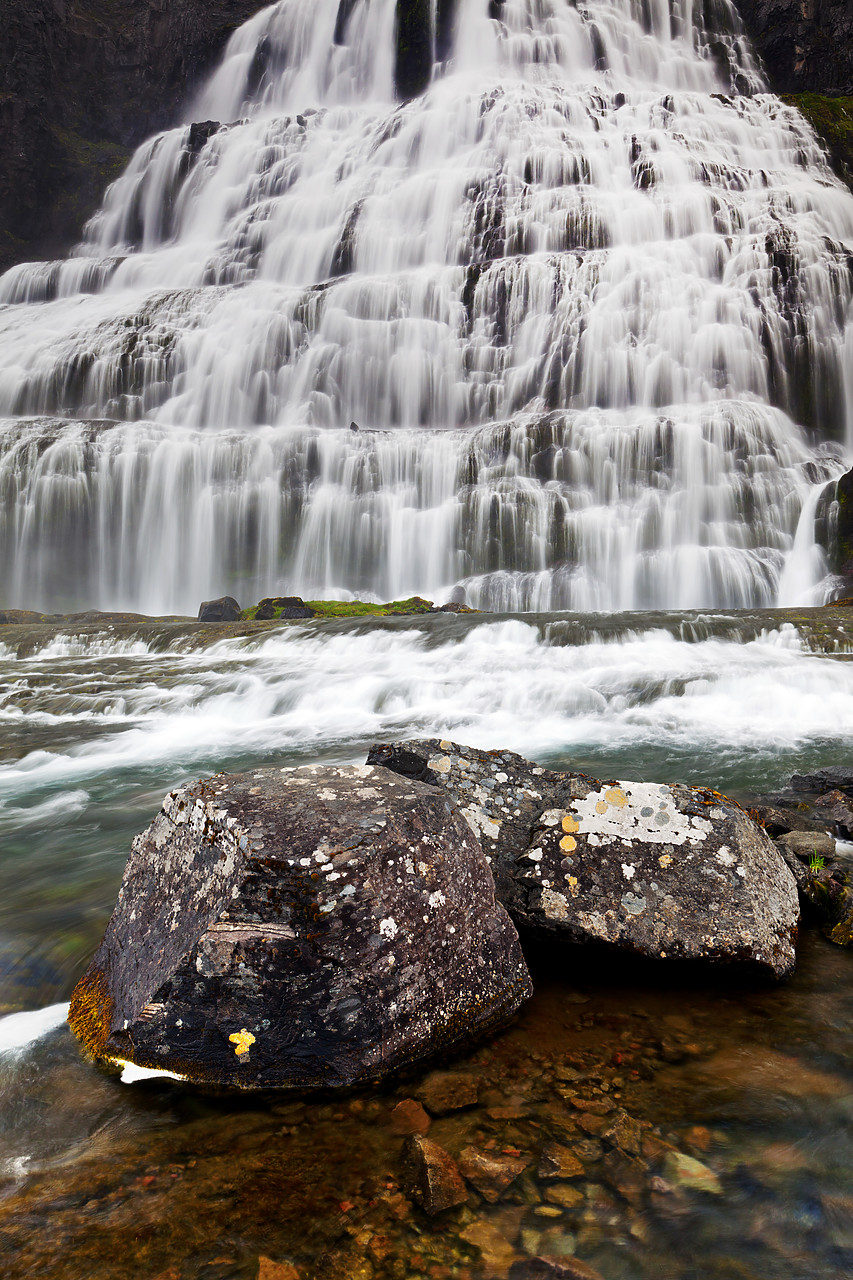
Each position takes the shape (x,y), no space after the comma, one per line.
(300,927)
(81,84)
(666,872)
(225,609)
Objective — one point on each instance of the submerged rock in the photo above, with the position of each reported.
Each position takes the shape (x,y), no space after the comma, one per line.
(431,1176)
(300,927)
(663,871)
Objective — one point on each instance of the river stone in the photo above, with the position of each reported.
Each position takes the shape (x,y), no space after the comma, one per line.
(300,927)
(662,871)
(501,795)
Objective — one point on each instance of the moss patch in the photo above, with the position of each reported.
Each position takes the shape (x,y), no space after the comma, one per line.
(832,120)
(353,609)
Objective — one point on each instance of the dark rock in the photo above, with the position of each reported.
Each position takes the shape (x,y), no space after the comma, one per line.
(200,134)
(445,1091)
(287,607)
(661,871)
(777,821)
(490,1174)
(501,794)
(80,86)
(225,609)
(299,928)
(837,808)
(838,777)
(803,45)
(431,1176)
(413,64)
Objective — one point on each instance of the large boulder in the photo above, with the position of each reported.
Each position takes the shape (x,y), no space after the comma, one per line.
(663,871)
(300,927)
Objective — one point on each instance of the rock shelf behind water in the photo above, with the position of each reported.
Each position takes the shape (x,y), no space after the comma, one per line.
(663,871)
(300,927)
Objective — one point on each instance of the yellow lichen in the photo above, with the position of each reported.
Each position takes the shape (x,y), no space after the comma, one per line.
(616,796)
(573,885)
(568,843)
(243,1041)
(665,861)
(570,823)
(601,807)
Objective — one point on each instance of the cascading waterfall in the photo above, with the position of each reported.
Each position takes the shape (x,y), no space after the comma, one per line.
(587,300)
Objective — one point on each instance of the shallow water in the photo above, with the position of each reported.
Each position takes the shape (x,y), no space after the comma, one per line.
(96,730)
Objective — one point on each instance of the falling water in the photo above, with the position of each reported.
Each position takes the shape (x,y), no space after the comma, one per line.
(586,299)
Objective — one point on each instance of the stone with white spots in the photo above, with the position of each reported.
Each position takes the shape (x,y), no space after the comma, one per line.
(300,928)
(663,871)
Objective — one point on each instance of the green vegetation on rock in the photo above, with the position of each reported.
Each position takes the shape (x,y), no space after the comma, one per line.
(353,609)
(832,120)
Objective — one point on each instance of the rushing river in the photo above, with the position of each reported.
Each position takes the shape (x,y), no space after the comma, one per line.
(757,1084)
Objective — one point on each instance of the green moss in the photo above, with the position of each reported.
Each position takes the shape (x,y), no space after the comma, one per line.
(353,609)
(832,120)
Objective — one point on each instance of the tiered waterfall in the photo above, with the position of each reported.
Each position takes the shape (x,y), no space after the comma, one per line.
(568,329)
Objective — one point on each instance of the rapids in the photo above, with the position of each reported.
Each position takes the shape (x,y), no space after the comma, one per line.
(587,300)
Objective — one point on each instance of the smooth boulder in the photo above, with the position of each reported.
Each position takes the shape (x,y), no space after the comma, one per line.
(662,871)
(300,927)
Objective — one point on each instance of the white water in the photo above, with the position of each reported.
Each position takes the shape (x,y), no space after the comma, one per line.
(617,271)
(302,693)
(20,1031)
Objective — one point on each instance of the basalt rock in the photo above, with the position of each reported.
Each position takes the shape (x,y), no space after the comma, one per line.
(662,871)
(300,928)
(225,609)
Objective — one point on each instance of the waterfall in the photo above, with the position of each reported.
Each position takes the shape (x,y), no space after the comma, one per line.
(587,300)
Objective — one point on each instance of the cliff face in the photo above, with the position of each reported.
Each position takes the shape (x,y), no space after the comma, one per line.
(806,45)
(82,82)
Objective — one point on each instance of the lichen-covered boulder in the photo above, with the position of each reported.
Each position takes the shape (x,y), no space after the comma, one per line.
(499,793)
(300,927)
(667,872)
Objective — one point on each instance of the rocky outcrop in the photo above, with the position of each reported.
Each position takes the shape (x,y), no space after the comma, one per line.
(663,871)
(805,45)
(300,927)
(834,528)
(81,84)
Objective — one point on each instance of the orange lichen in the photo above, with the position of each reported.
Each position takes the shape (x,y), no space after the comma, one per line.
(243,1041)
(91,1012)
